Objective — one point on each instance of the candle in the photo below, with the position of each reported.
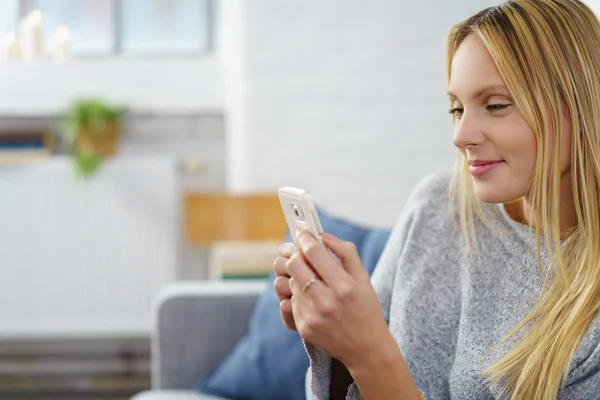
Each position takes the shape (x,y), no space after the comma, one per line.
(9,50)
(61,44)
(32,37)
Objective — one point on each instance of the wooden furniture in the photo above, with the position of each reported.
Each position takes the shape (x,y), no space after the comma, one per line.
(226,217)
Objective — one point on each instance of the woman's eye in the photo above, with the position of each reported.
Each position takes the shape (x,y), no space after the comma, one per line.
(495,107)
(457,112)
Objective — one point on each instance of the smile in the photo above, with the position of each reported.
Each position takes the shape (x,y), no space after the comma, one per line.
(479,168)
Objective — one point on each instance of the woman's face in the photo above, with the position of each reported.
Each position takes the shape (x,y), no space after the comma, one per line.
(489,130)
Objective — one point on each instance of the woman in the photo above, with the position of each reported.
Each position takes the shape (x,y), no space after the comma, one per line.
(502,304)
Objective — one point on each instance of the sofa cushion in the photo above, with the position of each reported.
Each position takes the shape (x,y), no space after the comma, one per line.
(270,362)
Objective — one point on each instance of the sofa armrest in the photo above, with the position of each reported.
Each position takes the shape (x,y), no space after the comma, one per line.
(196,324)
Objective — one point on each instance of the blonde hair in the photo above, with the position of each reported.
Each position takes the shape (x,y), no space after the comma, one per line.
(548,53)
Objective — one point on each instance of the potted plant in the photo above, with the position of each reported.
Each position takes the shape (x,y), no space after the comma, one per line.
(91,128)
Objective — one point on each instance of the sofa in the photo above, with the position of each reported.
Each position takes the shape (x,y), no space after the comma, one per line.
(215,311)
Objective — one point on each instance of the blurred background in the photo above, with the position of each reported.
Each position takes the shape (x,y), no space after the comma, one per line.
(142,143)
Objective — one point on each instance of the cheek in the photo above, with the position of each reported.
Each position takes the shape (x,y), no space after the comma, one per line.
(526,146)
(528,152)
(518,147)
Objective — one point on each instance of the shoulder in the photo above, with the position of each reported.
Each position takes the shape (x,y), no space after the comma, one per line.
(418,233)
(432,189)
(426,214)
(430,198)
(433,185)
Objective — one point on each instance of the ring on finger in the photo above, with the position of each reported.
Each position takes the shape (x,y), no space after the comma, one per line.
(309,284)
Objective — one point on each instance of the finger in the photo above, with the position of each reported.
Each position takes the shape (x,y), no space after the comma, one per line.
(279,266)
(285,310)
(320,259)
(315,289)
(282,288)
(295,286)
(347,253)
(285,306)
(299,270)
(287,249)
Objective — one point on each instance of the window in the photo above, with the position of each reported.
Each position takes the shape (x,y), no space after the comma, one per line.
(90,22)
(9,14)
(164,26)
(120,27)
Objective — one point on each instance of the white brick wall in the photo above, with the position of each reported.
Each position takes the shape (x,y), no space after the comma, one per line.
(151,85)
(343,97)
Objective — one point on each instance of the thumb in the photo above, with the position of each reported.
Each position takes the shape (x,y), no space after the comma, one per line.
(347,253)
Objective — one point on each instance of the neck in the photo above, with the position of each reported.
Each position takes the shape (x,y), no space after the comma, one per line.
(567,214)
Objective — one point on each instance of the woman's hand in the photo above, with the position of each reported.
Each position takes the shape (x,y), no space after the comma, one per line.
(282,286)
(333,303)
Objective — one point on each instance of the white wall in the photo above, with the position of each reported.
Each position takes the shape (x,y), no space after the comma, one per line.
(177,86)
(343,97)
(594,5)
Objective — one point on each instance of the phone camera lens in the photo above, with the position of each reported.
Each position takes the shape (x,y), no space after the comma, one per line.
(298,211)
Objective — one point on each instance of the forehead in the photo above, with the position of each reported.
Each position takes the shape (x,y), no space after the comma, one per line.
(472,69)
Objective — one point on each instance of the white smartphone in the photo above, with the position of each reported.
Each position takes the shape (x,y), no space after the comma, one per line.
(300,211)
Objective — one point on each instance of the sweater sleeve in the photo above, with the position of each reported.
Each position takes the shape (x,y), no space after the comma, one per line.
(319,374)
(583,381)
(587,387)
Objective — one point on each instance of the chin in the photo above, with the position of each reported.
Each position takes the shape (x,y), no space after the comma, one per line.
(493,193)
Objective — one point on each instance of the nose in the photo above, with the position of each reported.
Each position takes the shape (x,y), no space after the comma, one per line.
(468,132)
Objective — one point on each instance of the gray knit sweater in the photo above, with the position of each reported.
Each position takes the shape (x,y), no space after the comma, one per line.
(446,311)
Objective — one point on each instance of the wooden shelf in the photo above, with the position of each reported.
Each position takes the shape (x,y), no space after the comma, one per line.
(218,217)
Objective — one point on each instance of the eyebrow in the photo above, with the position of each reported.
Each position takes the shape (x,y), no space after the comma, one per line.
(484,91)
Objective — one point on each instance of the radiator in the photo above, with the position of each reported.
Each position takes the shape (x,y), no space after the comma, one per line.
(86,258)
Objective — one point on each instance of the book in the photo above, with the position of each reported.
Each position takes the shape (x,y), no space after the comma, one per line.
(23,156)
(241,259)
(20,146)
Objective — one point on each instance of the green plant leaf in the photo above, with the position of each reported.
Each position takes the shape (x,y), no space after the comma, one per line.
(86,165)
(87,113)
(93,114)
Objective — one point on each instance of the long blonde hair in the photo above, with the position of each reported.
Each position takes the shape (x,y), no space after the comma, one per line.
(548,53)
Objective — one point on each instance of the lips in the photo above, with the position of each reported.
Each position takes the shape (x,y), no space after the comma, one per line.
(478,163)
(482,167)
